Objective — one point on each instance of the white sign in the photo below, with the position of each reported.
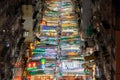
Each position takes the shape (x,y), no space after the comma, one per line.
(72,66)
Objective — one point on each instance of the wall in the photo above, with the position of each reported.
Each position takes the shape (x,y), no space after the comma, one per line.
(86,14)
(117,35)
(28,24)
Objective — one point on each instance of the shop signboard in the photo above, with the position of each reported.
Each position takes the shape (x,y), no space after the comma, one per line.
(69,33)
(73,39)
(66,13)
(48,27)
(70,47)
(32,65)
(50,18)
(52,24)
(48,38)
(52,21)
(66,7)
(67,3)
(35,72)
(38,50)
(71,66)
(54,9)
(68,18)
(44,55)
(68,24)
(70,42)
(42,77)
(52,34)
(72,54)
(53,4)
(51,12)
(69,37)
(43,51)
(71,21)
(49,43)
(52,31)
(47,47)
(70,30)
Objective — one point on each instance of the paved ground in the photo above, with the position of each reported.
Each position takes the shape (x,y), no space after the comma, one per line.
(18,75)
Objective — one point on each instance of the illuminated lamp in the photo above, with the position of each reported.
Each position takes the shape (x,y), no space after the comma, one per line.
(43,60)
(69,17)
(43,23)
(38,50)
(31,66)
(34,64)
(26,33)
(36,72)
(91,50)
(37,42)
(31,46)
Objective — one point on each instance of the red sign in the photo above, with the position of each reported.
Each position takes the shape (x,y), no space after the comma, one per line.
(32,64)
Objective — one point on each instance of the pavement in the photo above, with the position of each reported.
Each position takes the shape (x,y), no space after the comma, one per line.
(18,74)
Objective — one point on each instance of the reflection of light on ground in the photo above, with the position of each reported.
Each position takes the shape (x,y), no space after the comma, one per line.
(17,78)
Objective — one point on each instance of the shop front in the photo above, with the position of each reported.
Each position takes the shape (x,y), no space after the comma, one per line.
(42,77)
(74,77)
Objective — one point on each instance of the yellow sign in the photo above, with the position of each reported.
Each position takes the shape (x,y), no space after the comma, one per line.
(31,46)
(24,73)
(72,54)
